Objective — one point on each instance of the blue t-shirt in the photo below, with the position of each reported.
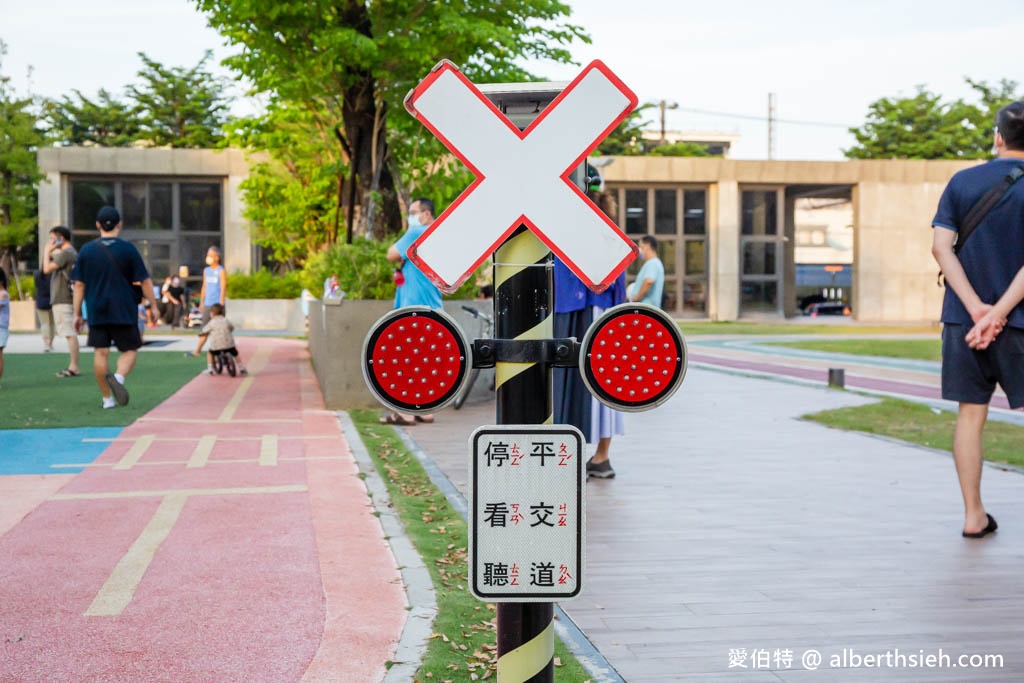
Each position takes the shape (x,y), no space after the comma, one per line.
(652,270)
(108,291)
(417,290)
(995,251)
(211,276)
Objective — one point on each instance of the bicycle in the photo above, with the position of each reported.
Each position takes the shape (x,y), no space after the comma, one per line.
(486,330)
(222,360)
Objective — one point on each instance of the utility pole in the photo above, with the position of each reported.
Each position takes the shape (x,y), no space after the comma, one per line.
(771,125)
(662,106)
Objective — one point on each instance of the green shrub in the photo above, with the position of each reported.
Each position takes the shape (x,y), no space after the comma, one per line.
(363,269)
(264,285)
(28,288)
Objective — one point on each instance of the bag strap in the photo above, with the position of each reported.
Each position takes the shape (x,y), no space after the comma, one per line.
(113,261)
(984,205)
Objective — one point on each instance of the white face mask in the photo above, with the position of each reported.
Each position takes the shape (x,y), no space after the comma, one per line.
(414,220)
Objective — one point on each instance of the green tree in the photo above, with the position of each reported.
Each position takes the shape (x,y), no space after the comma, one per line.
(288,194)
(103,120)
(351,64)
(19,139)
(178,106)
(925,127)
(679,149)
(627,138)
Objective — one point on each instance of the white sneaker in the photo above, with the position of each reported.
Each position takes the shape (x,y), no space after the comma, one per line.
(208,371)
(109,402)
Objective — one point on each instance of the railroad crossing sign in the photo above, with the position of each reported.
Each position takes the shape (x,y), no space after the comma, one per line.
(522,177)
(416,359)
(527,516)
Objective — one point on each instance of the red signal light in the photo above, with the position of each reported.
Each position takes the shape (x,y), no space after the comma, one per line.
(416,359)
(633,357)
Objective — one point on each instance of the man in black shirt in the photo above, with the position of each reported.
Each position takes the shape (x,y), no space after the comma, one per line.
(104,275)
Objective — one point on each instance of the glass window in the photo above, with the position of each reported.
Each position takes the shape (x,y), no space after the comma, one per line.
(636,212)
(133,206)
(87,198)
(665,212)
(759,258)
(667,254)
(192,252)
(695,296)
(760,214)
(695,257)
(759,297)
(200,207)
(160,213)
(694,212)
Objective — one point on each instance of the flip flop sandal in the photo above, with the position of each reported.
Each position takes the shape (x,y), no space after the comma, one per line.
(425,420)
(395,419)
(68,372)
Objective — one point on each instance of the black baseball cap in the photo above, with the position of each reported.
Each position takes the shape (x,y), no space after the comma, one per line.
(108,218)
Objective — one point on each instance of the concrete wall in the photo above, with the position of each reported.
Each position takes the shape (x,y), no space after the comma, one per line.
(894,202)
(336,334)
(267,314)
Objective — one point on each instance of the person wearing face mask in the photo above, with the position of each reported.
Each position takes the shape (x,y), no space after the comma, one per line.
(175,294)
(215,284)
(412,286)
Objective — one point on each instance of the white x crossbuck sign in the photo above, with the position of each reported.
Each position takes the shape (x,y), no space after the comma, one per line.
(522,176)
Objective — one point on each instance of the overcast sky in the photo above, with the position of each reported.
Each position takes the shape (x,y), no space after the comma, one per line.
(826,61)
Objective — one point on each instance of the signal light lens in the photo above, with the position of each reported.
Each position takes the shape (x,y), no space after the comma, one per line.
(633,357)
(416,359)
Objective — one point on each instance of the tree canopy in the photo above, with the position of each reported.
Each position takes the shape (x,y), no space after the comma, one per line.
(169,106)
(19,139)
(924,126)
(348,65)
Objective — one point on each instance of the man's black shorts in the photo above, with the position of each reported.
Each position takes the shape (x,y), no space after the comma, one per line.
(970,376)
(124,337)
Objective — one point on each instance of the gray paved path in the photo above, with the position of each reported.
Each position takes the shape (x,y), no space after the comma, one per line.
(734,525)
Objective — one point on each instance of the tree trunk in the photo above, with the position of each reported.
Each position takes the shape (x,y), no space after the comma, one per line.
(364,130)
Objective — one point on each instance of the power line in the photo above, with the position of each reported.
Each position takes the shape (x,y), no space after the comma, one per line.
(750,117)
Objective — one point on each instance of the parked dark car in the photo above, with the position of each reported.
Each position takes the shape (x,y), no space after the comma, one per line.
(827,308)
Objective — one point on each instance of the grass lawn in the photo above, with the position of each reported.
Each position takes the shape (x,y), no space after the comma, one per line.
(32,397)
(745,327)
(918,349)
(463,644)
(920,424)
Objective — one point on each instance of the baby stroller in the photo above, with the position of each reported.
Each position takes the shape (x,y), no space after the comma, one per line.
(195,316)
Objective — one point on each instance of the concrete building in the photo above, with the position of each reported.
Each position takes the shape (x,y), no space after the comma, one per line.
(727,231)
(174,203)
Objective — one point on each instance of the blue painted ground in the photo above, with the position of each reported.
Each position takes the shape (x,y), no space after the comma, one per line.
(36,451)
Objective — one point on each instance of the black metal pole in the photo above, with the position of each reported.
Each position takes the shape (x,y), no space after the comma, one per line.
(523,309)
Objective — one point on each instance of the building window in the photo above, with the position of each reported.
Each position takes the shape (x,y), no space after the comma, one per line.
(171,222)
(678,218)
(761,252)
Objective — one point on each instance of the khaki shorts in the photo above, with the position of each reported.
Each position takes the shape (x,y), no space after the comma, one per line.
(45,323)
(64,320)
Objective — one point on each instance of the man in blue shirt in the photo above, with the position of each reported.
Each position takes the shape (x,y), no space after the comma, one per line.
(413,287)
(982,315)
(650,281)
(103,275)
(416,290)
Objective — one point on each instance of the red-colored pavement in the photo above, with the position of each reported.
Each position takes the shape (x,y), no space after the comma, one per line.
(224,536)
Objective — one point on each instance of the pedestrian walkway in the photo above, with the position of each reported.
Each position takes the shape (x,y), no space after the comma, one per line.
(224,536)
(738,542)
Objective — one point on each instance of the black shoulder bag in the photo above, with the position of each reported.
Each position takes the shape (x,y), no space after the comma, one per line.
(136,289)
(981,209)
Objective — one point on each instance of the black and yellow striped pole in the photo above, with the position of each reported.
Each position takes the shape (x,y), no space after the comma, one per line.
(523,310)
